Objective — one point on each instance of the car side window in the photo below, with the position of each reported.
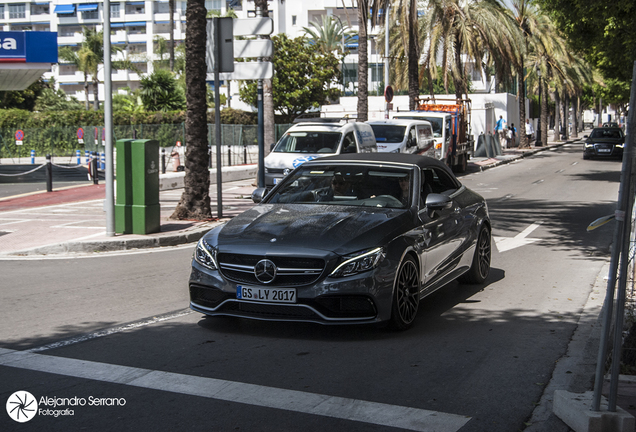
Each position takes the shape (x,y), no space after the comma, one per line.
(349,144)
(435,180)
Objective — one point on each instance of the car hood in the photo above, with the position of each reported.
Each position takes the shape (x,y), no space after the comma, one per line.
(279,160)
(270,228)
(605,140)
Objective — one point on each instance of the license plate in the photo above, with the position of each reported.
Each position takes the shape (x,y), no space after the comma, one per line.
(269,295)
(276,180)
(604,150)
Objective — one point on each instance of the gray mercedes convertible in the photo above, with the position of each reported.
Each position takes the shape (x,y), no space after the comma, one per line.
(349,239)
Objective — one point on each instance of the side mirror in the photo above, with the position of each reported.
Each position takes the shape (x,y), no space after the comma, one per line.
(271,146)
(438,201)
(586,136)
(259,194)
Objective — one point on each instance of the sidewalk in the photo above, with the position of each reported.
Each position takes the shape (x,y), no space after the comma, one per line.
(72,220)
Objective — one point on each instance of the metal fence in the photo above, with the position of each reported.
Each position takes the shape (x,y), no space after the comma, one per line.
(239,141)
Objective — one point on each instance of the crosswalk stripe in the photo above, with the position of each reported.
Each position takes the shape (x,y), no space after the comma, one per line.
(291,400)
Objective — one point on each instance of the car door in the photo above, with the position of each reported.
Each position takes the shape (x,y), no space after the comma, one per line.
(442,228)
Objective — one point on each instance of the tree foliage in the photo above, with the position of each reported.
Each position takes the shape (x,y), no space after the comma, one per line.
(303,77)
(160,92)
(22,99)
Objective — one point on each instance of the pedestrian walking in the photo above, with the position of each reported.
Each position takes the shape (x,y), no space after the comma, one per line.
(529,130)
(511,135)
(500,130)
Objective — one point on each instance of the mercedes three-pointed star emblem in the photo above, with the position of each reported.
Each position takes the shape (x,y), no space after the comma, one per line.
(265,271)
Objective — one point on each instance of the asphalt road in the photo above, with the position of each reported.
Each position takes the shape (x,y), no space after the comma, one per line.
(478,358)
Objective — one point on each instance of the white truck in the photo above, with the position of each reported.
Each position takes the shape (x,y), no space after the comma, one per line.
(311,139)
(404,136)
(451,128)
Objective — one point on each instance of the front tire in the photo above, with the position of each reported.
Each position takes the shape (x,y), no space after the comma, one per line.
(480,267)
(406,295)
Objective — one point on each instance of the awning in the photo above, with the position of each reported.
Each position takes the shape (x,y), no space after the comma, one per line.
(135,24)
(137,3)
(64,9)
(86,7)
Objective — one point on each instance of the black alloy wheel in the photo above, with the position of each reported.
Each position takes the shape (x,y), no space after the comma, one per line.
(406,295)
(480,268)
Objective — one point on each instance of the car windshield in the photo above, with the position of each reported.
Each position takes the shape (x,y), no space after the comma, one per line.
(345,185)
(436,122)
(390,134)
(606,133)
(309,142)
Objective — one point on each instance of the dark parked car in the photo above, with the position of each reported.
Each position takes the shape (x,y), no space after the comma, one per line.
(604,142)
(358,238)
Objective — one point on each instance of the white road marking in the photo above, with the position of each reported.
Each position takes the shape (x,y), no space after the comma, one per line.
(251,394)
(14,221)
(507,243)
(112,330)
(77,255)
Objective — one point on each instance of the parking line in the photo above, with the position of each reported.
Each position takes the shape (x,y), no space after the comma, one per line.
(270,397)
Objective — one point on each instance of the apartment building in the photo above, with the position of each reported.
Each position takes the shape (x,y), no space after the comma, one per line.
(135,25)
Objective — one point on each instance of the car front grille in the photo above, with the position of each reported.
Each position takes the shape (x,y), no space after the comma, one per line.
(208,297)
(291,271)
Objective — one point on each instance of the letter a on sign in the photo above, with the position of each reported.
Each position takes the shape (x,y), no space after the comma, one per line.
(9,44)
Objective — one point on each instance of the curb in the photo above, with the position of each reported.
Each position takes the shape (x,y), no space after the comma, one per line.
(109,245)
(529,152)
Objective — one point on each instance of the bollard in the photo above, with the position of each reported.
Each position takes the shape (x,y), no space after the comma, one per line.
(49,174)
(79,157)
(88,156)
(102,161)
(244,155)
(32,157)
(229,156)
(163,161)
(94,173)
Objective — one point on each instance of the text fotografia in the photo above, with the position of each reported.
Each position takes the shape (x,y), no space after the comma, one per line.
(75,401)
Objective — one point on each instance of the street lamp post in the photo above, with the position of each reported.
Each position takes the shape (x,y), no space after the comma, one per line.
(538,142)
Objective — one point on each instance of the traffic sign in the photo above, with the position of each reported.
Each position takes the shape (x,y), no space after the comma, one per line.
(80,135)
(253,48)
(388,94)
(248,71)
(19,135)
(253,26)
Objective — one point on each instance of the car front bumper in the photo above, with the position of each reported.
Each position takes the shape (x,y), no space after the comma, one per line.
(360,299)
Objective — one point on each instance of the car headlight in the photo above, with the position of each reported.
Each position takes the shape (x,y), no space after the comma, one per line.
(588,145)
(359,263)
(205,255)
(620,145)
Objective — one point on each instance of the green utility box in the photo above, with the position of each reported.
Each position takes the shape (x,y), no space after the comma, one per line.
(137,208)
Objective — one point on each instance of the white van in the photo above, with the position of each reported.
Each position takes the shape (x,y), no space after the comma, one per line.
(313,139)
(404,136)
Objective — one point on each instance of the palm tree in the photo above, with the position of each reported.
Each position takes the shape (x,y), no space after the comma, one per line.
(466,31)
(72,56)
(268,94)
(171,9)
(329,36)
(364,7)
(195,200)
(92,55)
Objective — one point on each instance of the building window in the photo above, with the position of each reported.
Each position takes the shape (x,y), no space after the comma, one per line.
(213,5)
(136,30)
(294,20)
(135,8)
(17,11)
(90,15)
(114,10)
(136,48)
(39,9)
(1,11)
(162,7)
(237,5)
